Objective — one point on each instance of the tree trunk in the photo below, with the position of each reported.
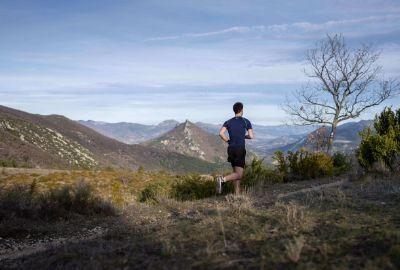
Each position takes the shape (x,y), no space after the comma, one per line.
(331,137)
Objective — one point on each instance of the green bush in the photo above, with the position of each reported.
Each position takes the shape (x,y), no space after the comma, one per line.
(8,163)
(153,190)
(302,165)
(186,187)
(280,160)
(381,144)
(258,173)
(192,187)
(341,163)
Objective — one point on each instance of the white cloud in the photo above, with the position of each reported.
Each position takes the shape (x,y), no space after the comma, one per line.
(336,23)
(285,28)
(234,29)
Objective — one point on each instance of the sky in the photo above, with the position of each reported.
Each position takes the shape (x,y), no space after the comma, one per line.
(147,61)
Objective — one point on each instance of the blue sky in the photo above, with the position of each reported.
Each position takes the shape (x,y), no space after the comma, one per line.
(147,61)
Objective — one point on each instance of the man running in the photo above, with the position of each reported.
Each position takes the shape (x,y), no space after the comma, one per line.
(237,128)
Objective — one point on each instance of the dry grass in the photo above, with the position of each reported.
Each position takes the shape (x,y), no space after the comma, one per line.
(353,226)
(294,248)
(119,187)
(294,217)
(239,204)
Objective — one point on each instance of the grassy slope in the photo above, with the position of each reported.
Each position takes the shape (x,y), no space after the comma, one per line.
(353,226)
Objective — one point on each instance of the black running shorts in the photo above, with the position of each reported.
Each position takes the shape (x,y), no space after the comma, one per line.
(237,156)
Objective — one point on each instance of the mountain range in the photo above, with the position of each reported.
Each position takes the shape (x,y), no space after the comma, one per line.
(55,141)
(130,133)
(267,137)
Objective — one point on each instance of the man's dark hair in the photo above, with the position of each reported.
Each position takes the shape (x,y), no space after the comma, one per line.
(238,107)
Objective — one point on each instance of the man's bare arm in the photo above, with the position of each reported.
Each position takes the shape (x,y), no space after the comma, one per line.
(222,134)
(250,134)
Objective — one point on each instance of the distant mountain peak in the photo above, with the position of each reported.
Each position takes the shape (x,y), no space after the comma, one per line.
(189,139)
(91,122)
(188,124)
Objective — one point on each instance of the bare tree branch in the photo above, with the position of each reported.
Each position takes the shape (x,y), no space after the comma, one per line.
(347,82)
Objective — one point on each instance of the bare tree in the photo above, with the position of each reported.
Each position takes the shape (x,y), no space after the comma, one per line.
(343,84)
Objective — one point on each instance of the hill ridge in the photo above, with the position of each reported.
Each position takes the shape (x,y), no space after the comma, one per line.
(189,139)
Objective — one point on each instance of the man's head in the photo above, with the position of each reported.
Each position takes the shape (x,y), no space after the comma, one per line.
(238,108)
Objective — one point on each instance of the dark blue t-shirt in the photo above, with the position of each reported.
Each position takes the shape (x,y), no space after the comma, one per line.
(237,127)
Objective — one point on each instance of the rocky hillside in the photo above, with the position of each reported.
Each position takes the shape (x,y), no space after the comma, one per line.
(130,133)
(55,141)
(189,139)
(38,145)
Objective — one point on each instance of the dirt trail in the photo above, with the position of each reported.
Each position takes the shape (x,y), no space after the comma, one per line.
(10,249)
(315,188)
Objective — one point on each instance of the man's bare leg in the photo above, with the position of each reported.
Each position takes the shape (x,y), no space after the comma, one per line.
(235,177)
(236,184)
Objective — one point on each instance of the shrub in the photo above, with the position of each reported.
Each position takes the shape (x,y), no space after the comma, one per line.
(192,187)
(186,187)
(8,163)
(301,165)
(153,190)
(16,202)
(381,144)
(341,163)
(258,173)
(282,165)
